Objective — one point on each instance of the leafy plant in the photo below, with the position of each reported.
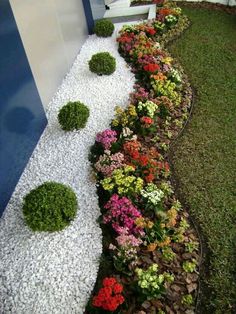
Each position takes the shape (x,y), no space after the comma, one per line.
(190,267)
(151,283)
(168,254)
(104,28)
(50,207)
(102,63)
(187,300)
(73,116)
(191,246)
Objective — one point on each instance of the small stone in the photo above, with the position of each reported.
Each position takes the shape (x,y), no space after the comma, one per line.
(146,305)
(187,256)
(191,287)
(176,288)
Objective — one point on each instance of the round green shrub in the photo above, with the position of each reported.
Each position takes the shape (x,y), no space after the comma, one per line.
(73,116)
(50,207)
(102,63)
(104,28)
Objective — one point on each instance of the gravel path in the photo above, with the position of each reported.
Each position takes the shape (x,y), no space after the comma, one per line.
(55,273)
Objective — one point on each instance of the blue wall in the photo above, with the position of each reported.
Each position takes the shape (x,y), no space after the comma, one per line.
(22,118)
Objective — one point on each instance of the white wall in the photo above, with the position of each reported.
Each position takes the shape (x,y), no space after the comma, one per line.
(52,32)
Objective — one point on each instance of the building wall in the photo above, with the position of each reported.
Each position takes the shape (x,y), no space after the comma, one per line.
(52,32)
(98,8)
(22,118)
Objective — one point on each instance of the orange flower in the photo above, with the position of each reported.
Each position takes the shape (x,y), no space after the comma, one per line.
(151,247)
(159,77)
(165,11)
(172,215)
(140,54)
(164,243)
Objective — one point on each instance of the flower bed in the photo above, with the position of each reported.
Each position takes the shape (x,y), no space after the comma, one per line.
(149,247)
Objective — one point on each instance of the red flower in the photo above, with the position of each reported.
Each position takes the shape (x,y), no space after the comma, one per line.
(167,167)
(158,1)
(117,288)
(165,11)
(151,67)
(143,160)
(149,178)
(109,296)
(151,31)
(109,282)
(146,120)
(119,299)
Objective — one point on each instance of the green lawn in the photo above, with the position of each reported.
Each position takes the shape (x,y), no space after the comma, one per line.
(204,156)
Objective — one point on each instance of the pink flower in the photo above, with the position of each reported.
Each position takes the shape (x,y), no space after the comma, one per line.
(107,163)
(106,138)
(121,213)
(125,240)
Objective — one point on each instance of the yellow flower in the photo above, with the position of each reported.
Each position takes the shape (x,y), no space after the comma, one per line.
(119,110)
(167,60)
(140,222)
(150,224)
(132,110)
(115,122)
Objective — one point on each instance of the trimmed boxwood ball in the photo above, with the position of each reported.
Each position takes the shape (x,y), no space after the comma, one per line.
(102,63)
(104,28)
(50,207)
(73,116)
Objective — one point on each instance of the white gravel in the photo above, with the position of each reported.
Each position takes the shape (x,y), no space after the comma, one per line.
(55,272)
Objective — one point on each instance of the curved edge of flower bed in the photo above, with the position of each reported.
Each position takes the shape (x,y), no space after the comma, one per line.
(175,184)
(189,98)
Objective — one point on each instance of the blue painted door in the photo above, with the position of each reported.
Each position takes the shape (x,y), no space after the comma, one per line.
(22,118)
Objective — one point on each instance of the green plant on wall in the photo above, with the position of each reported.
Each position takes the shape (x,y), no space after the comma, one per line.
(50,207)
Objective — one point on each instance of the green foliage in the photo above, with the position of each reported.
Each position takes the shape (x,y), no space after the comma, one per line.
(187,300)
(189,267)
(151,283)
(50,207)
(191,246)
(73,116)
(168,254)
(104,28)
(204,157)
(102,63)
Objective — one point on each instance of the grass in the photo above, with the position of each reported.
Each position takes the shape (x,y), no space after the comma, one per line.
(204,156)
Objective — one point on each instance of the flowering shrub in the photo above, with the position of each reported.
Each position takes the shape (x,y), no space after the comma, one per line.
(152,194)
(121,213)
(146,224)
(152,283)
(109,296)
(123,182)
(125,254)
(106,138)
(148,108)
(109,162)
(149,165)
